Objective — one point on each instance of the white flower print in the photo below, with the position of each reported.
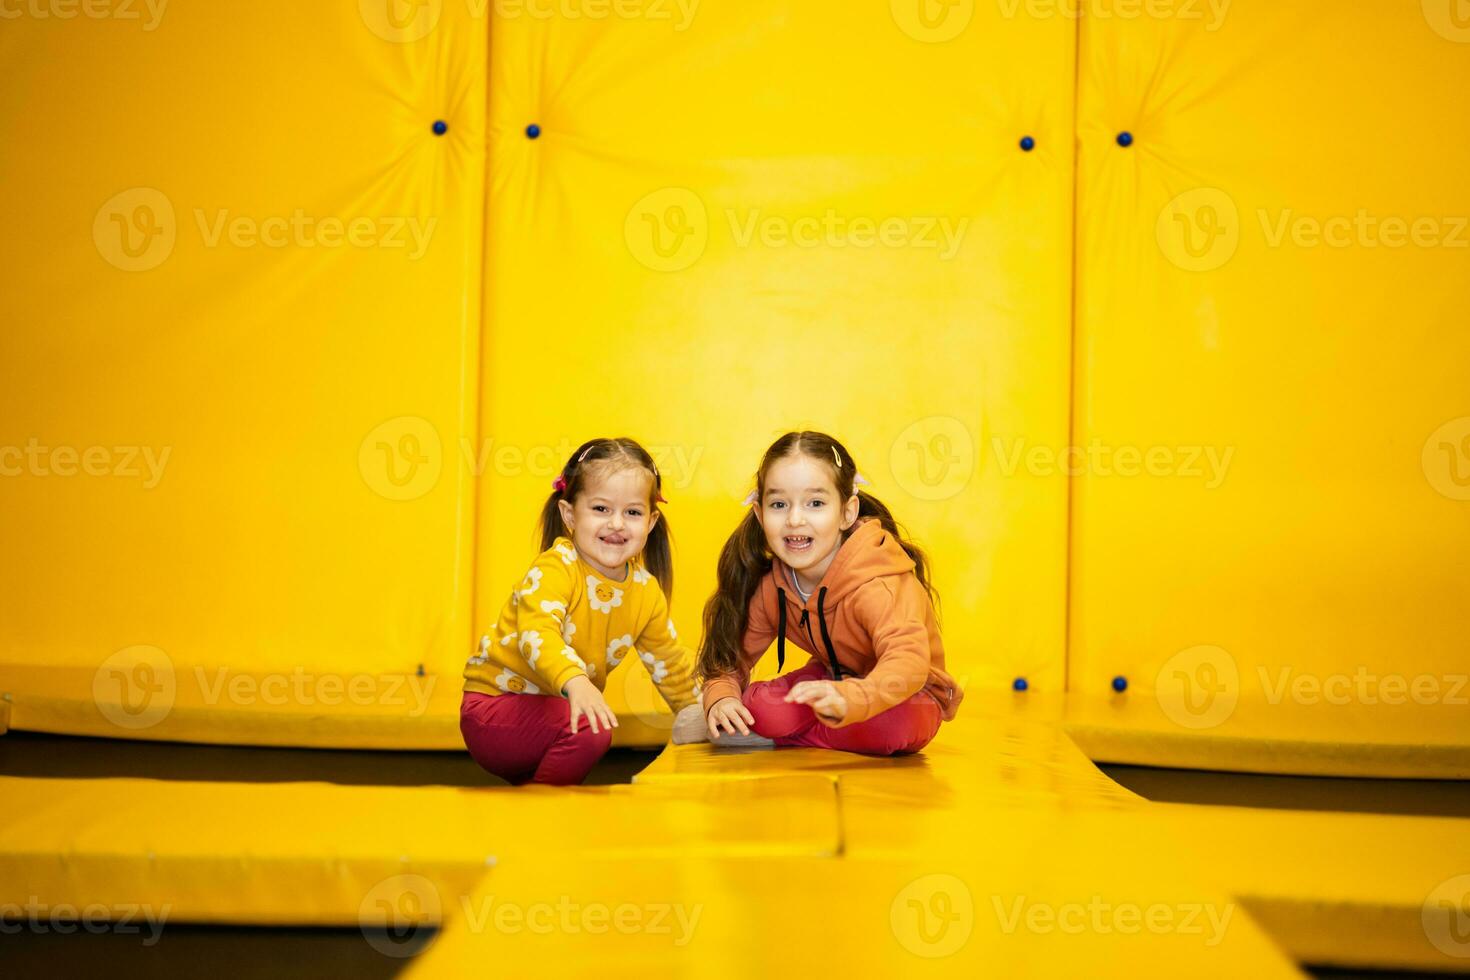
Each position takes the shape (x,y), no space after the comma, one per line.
(614,657)
(568,553)
(603,596)
(640,576)
(673,633)
(531,646)
(515,683)
(483,654)
(532,583)
(549,606)
(568,630)
(508,639)
(657,668)
(571,655)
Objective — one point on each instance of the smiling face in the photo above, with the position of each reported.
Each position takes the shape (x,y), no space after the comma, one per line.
(610,519)
(803,517)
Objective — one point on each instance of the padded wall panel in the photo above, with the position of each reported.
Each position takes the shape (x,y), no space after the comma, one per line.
(1274,272)
(776,215)
(241,307)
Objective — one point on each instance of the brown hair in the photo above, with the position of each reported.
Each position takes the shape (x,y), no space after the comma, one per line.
(745,559)
(613,453)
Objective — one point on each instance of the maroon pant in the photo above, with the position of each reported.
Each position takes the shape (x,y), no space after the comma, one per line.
(905,727)
(527,738)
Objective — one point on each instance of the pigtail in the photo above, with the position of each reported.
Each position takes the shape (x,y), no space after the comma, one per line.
(658,554)
(743,562)
(871,506)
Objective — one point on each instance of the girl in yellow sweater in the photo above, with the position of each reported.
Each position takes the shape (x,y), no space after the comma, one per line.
(596,596)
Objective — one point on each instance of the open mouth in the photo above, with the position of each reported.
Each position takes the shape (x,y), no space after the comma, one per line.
(798,543)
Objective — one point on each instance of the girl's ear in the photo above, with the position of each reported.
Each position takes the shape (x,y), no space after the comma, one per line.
(566,514)
(849,512)
(653,516)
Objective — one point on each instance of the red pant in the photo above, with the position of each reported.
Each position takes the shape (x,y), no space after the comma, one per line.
(905,727)
(527,738)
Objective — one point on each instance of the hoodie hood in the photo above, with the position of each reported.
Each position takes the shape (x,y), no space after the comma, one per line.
(869,552)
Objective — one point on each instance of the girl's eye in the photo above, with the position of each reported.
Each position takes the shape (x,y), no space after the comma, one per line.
(778,504)
(599,508)
(817,503)
(635,512)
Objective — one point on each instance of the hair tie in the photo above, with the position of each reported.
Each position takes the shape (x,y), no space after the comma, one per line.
(560,483)
(658,497)
(858,480)
(751,498)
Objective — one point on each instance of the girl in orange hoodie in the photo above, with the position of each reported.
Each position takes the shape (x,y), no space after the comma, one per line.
(824,565)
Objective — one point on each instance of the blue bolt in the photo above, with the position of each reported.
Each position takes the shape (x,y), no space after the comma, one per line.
(533,131)
(1125,138)
(1120,683)
(440,127)
(1028,144)
(1019,684)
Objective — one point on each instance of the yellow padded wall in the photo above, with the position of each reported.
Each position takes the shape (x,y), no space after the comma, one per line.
(743,217)
(237,245)
(1274,272)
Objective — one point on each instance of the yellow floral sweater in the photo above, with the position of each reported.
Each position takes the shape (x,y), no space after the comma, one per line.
(566,619)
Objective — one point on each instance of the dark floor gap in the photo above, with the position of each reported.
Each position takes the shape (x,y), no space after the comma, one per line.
(41,755)
(221,952)
(1407,797)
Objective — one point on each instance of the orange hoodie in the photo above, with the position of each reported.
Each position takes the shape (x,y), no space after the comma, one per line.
(869,616)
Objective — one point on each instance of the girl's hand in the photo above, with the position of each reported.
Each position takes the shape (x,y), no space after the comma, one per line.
(588,700)
(732,714)
(822,696)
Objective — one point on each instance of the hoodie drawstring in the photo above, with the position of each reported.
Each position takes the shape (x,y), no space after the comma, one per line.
(826,640)
(781,631)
